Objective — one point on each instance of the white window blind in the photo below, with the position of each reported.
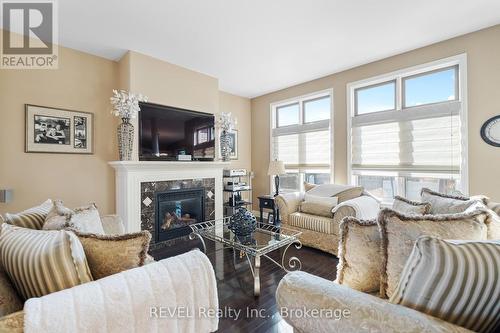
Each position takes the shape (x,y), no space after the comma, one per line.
(304,150)
(431,144)
(399,151)
(304,144)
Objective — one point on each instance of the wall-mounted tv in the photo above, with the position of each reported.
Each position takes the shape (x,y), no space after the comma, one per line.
(165,132)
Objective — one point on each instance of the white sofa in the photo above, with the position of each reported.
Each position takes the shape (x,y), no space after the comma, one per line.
(202,271)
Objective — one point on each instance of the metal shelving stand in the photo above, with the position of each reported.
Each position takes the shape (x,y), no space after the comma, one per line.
(230,204)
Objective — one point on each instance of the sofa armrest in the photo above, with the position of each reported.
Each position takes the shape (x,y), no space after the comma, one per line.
(365,207)
(288,203)
(341,309)
(112,225)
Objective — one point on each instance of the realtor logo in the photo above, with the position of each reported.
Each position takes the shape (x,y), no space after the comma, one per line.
(29,35)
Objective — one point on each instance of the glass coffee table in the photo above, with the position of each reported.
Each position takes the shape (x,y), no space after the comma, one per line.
(265,239)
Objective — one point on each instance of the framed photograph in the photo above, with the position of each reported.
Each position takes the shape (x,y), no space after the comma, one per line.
(51,130)
(233,144)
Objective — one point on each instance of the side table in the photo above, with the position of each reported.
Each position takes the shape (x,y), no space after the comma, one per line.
(267,202)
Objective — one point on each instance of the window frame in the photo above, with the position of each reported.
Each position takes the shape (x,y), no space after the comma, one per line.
(375,85)
(309,126)
(460,62)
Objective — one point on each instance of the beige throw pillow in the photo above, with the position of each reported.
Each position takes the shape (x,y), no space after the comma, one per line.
(351,193)
(32,218)
(316,205)
(456,281)
(85,219)
(406,206)
(399,233)
(40,262)
(360,260)
(445,203)
(493,220)
(108,255)
(309,186)
(10,301)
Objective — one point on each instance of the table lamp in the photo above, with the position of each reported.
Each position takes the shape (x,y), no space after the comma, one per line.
(276,168)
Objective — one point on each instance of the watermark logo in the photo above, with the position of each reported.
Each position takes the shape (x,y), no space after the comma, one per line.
(29,38)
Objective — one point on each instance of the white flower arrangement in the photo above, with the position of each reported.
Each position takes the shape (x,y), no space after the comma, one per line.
(225,121)
(126,104)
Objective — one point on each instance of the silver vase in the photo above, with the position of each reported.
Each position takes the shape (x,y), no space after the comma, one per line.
(224,146)
(125,139)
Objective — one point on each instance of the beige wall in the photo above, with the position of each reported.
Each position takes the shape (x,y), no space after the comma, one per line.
(240,109)
(172,85)
(483,50)
(83,82)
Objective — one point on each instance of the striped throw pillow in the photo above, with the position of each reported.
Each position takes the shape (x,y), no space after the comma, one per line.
(32,218)
(456,281)
(42,262)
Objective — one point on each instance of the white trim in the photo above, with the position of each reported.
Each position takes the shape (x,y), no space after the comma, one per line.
(313,126)
(460,60)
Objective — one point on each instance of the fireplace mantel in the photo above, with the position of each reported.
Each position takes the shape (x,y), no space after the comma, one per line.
(130,175)
(165,165)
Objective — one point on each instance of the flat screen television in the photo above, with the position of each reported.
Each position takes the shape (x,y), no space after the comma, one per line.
(165,132)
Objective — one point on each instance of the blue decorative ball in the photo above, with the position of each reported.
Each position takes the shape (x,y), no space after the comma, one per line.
(243,222)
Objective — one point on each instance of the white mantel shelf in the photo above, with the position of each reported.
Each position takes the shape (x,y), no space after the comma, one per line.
(166,165)
(130,175)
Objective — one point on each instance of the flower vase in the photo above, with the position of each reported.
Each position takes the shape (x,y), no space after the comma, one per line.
(125,139)
(224,146)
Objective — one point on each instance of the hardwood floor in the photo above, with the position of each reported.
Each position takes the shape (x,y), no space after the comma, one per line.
(235,284)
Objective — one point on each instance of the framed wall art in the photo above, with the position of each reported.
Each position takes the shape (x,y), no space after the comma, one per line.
(53,130)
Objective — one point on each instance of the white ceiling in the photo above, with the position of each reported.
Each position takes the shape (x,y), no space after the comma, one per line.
(258,46)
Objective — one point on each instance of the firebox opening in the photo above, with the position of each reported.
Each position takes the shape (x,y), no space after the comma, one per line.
(176,210)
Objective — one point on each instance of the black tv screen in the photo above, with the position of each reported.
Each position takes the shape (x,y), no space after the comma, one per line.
(166,132)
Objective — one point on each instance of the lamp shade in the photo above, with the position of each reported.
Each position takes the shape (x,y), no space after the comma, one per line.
(276,168)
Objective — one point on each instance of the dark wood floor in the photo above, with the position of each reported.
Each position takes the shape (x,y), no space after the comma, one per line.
(235,284)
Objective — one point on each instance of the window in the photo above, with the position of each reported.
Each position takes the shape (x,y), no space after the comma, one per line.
(376,98)
(418,143)
(287,115)
(301,139)
(317,109)
(434,87)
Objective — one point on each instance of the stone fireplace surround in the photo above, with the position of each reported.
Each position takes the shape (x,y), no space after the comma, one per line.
(133,177)
(149,191)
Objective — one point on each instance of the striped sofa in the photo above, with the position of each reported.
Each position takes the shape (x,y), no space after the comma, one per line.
(317,231)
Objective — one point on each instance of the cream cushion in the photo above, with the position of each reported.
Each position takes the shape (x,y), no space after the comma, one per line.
(492,222)
(41,262)
(313,222)
(456,281)
(399,233)
(444,203)
(360,260)
(342,192)
(110,254)
(315,205)
(32,218)
(406,206)
(85,219)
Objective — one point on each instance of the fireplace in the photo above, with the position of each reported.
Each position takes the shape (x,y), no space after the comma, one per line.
(176,210)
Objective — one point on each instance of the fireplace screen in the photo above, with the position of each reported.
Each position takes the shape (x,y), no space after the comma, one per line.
(176,210)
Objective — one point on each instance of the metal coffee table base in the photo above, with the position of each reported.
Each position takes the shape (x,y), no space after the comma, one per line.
(293,264)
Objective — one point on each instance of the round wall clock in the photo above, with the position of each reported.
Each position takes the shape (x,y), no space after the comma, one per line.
(490,131)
